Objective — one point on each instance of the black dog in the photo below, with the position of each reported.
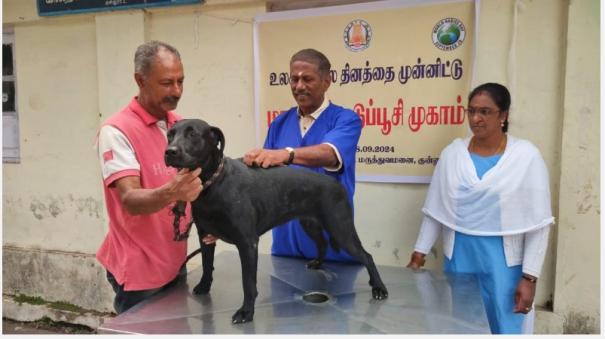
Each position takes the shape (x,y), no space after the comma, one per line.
(239,203)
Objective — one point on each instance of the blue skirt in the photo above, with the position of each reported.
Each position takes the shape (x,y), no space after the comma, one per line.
(484,257)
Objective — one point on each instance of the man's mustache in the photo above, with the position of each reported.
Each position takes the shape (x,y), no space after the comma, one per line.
(171,100)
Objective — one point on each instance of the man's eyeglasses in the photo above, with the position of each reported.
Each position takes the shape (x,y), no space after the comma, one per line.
(483,111)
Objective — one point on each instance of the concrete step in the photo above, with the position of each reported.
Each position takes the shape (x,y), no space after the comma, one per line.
(21,311)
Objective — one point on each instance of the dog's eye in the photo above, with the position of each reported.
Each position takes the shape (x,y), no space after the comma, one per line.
(191,133)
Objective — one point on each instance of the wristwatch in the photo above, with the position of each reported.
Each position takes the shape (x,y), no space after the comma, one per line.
(291,152)
(529,278)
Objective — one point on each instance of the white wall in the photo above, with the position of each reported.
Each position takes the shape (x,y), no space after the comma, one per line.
(577,293)
(52,199)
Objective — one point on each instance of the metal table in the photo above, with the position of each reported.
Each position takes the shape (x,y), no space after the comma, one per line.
(419,302)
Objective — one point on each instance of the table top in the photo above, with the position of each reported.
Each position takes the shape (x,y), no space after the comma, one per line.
(419,302)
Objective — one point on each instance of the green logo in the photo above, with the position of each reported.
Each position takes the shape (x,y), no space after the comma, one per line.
(448,34)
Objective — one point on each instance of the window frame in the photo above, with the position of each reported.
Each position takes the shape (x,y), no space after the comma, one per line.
(11,149)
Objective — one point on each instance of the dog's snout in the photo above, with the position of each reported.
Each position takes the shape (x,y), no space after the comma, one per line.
(172,151)
(172,156)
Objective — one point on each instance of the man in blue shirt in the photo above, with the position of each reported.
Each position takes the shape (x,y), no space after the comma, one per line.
(316,135)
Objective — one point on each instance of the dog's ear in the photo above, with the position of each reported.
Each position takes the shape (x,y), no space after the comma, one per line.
(218,136)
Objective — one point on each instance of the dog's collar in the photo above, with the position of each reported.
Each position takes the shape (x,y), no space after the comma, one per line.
(214,176)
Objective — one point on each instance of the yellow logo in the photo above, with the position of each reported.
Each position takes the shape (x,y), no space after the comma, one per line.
(357,35)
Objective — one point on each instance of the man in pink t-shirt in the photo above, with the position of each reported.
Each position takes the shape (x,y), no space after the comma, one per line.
(139,252)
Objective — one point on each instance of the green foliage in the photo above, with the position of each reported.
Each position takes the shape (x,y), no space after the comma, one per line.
(26,299)
(59,305)
(65,306)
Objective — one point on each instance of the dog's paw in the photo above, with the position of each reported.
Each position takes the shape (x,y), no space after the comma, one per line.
(314,264)
(242,316)
(379,293)
(203,287)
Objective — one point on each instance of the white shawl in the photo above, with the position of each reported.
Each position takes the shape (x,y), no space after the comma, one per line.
(513,197)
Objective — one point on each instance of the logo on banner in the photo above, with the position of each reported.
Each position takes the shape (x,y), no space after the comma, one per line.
(448,34)
(357,35)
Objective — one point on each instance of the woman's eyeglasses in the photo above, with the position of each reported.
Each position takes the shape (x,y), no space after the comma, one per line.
(483,111)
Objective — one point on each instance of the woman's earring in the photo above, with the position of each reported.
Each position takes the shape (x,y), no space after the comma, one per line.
(501,123)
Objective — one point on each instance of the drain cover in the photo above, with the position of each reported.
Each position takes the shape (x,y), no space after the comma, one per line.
(316,297)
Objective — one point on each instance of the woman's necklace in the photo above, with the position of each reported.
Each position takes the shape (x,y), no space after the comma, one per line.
(499,150)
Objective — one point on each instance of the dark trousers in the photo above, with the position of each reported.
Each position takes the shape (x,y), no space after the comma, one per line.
(126,299)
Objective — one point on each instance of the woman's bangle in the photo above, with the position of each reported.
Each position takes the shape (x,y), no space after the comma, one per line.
(529,278)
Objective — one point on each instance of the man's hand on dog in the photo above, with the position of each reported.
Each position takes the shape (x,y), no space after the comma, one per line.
(266,157)
(186,186)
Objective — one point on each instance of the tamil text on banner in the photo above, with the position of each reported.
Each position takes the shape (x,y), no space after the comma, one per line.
(404,67)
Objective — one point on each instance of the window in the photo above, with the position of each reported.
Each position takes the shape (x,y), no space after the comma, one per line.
(10,118)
